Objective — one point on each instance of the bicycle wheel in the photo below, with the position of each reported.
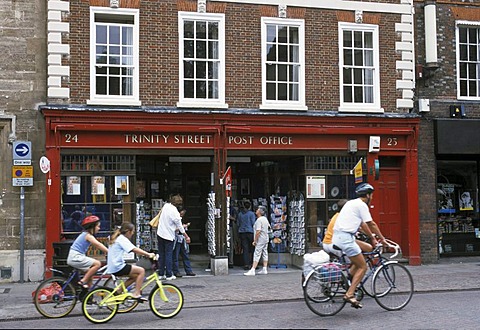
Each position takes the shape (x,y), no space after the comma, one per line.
(392,286)
(128,304)
(97,311)
(324,298)
(368,285)
(55,297)
(173,304)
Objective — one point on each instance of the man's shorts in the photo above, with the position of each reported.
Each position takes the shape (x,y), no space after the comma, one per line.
(346,242)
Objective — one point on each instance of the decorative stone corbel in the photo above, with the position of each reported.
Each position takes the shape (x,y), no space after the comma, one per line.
(202,6)
(358,16)
(114,3)
(282,11)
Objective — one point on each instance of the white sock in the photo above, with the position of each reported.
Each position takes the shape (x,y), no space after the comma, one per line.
(265,268)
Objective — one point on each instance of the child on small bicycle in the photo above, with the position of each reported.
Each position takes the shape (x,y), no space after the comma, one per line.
(77,257)
(119,244)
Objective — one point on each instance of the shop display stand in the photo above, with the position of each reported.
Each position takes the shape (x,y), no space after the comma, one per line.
(278,222)
(297,224)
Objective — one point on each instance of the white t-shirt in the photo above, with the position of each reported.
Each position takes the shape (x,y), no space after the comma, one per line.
(262,224)
(115,262)
(170,220)
(353,213)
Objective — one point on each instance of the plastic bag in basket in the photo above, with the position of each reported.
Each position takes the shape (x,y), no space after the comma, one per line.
(45,294)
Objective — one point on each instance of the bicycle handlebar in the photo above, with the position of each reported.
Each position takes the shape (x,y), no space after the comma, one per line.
(392,245)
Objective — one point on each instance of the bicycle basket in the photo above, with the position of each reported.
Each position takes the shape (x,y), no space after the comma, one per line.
(329,272)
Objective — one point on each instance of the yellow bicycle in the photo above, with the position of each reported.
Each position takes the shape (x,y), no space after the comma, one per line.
(102,304)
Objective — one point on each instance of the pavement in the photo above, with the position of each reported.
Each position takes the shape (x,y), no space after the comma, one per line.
(281,284)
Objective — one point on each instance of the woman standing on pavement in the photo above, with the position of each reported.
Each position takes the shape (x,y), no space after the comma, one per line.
(260,241)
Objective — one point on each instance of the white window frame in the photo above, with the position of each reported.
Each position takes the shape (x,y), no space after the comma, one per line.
(128,100)
(466,24)
(375,106)
(276,104)
(202,102)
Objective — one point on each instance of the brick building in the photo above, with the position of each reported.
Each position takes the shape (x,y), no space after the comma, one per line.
(149,98)
(447,91)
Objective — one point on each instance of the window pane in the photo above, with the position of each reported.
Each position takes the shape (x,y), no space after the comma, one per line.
(348,57)
(188,28)
(188,49)
(282,34)
(213,90)
(294,54)
(201,32)
(282,53)
(368,94)
(462,33)
(347,39)
(213,50)
(188,69)
(357,39)
(347,76)
(294,73)
(368,77)
(472,35)
(472,72)
(293,92)
(201,49)
(271,52)
(101,59)
(114,35)
(358,94)
(282,92)
(472,87)
(294,39)
(114,60)
(368,42)
(357,76)
(271,33)
(463,87)
(114,86)
(101,85)
(213,30)
(463,70)
(201,91)
(201,70)
(368,57)
(358,57)
(347,94)
(463,53)
(127,60)
(127,71)
(101,34)
(127,86)
(114,50)
(271,72)
(213,70)
(473,53)
(188,90)
(271,91)
(282,72)
(114,71)
(101,70)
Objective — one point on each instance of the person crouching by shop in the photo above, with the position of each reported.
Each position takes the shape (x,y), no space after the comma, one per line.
(170,221)
(260,241)
(77,256)
(181,249)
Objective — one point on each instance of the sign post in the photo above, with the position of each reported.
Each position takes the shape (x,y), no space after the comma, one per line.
(22,175)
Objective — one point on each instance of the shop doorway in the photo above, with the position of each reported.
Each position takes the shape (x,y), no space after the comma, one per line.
(386,200)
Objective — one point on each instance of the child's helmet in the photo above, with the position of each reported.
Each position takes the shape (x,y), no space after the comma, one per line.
(89,220)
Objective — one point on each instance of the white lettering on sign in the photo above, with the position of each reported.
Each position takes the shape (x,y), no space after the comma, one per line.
(144,138)
(191,139)
(276,140)
(240,140)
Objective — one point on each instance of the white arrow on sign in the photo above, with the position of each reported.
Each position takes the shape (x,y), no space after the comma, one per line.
(22,150)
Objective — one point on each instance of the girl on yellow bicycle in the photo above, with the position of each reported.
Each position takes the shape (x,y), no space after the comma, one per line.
(119,244)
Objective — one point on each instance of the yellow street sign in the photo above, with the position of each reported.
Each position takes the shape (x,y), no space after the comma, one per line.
(22,171)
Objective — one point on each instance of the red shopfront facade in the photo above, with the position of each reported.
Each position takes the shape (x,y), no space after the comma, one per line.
(223,134)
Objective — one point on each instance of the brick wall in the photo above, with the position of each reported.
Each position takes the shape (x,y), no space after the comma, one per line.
(159,53)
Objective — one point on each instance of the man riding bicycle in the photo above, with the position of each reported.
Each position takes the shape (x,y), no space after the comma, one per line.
(354,215)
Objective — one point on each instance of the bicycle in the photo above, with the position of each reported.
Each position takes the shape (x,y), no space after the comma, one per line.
(56,297)
(391,285)
(102,304)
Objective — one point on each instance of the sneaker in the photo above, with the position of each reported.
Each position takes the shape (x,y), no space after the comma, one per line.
(191,274)
(170,278)
(262,272)
(251,272)
(178,275)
